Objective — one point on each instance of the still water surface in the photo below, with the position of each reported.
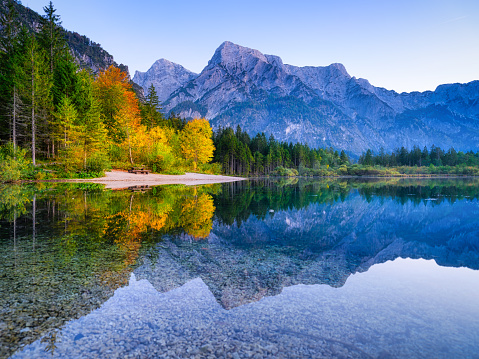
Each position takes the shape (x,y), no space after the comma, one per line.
(293,269)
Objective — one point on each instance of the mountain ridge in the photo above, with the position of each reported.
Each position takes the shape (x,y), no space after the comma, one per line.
(322,106)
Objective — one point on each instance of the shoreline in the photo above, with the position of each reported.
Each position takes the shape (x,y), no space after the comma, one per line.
(118,179)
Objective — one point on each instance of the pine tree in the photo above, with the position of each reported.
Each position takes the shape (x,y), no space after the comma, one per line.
(37,88)
(9,47)
(66,116)
(151,115)
(51,35)
(343,158)
(92,134)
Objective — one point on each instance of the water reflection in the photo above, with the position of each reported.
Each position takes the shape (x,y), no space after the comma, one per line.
(396,310)
(67,249)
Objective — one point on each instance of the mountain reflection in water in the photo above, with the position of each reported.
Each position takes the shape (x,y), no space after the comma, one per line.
(66,249)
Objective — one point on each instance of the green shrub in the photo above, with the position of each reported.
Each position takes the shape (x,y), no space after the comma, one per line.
(98,162)
(174,171)
(285,172)
(13,164)
(210,168)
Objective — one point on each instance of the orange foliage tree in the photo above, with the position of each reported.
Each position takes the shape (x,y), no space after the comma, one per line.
(120,109)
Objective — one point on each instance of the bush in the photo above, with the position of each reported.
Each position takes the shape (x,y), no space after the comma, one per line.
(116,154)
(161,163)
(210,168)
(98,162)
(90,174)
(174,171)
(13,164)
(285,172)
(10,170)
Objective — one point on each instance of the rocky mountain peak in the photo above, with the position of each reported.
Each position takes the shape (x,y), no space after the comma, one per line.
(339,68)
(166,76)
(229,53)
(322,106)
(274,60)
(163,63)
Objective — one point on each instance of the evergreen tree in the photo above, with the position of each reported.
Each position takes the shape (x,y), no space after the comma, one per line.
(368,158)
(66,116)
(9,57)
(151,115)
(64,77)
(37,88)
(343,158)
(425,159)
(92,135)
(51,37)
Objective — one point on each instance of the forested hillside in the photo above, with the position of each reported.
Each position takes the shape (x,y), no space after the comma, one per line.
(87,54)
(53,113)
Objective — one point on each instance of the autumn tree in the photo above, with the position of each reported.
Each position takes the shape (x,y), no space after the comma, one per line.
(66,117)
(197,214)
(119,106)
(196,142)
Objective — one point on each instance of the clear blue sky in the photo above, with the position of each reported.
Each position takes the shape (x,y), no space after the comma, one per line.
(402,45)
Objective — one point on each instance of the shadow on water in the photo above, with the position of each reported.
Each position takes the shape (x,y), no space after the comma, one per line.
(65,249)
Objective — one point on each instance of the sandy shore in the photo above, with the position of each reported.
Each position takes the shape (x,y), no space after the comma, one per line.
(122,179)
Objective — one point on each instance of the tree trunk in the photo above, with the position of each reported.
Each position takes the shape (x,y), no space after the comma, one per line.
(129,143)
(33,111)
(14,121)
(34,220)
(15,233)
(84,156)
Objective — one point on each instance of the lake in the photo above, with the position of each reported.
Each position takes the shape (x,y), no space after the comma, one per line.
(290,268)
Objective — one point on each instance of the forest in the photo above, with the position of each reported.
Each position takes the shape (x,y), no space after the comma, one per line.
(59,119)
(239,154)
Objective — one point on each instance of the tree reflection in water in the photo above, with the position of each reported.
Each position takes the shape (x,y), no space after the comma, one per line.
(66,248)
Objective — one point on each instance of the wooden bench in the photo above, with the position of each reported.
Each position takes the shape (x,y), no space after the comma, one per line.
(143,188)
(140,170)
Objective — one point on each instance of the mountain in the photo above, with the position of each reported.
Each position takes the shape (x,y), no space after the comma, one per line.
(165,76)
(321,106)
(87,53)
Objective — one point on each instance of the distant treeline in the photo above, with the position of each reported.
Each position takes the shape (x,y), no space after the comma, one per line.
(415,157)
(239,154)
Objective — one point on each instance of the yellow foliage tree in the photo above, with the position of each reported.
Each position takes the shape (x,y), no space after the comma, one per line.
(150,145)
(196,142)
(197,215)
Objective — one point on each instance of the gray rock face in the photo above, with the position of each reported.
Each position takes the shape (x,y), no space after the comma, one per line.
(321,106)
(166,76)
